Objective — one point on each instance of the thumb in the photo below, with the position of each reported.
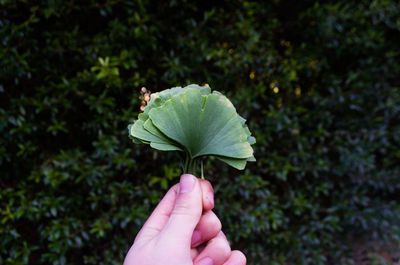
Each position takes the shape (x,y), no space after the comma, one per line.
(186,212)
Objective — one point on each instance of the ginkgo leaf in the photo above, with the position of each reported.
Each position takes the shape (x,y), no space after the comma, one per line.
(234,162)
(157,99)
(165,147)
(140,135)
(203,124)
(143,131)
(196,122)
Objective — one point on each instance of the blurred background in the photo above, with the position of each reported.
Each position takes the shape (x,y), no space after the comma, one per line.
(318,82)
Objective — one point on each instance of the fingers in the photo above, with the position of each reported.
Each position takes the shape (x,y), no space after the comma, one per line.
(207,228)
(186,212)
(208,195)
(217,251)
(161,214)
(236,258)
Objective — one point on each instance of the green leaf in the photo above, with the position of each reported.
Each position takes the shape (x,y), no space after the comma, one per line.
(234,162)
(157,99)
(203,124)
(197,122)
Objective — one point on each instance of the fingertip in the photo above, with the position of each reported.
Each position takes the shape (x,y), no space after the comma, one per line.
(237,257)
(189,175)
(187,183)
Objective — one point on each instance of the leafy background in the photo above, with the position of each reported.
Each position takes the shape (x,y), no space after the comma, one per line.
(318,82)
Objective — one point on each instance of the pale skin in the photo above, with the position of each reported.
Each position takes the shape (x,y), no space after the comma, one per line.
(183,230)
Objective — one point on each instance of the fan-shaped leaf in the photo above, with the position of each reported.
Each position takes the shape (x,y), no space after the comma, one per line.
(203,124)
(197,122)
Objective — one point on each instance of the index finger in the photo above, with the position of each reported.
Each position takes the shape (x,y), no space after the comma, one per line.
(208,195)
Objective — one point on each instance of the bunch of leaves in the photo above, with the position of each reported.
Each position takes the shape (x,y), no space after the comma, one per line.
(196,122)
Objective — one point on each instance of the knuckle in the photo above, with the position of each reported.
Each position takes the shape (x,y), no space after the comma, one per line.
(222,246)
(185,207)
(213,221)
(181,209)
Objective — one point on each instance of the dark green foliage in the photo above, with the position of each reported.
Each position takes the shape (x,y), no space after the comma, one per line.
(318,82)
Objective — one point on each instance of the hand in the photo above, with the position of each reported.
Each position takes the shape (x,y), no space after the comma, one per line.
(183,230)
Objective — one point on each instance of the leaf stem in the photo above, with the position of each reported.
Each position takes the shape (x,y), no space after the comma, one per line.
(191,166)
(186,166)
(202,168)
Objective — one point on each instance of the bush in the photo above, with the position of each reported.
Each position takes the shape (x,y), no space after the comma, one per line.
(317,81)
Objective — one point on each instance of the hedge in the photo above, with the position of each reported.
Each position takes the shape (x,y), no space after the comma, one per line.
(318,82)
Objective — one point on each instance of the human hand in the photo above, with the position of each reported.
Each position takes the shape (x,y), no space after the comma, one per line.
(182,230)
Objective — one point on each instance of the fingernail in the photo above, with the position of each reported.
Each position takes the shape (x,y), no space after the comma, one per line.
(186,183)
(210,197)
(206,261)
(196,237)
